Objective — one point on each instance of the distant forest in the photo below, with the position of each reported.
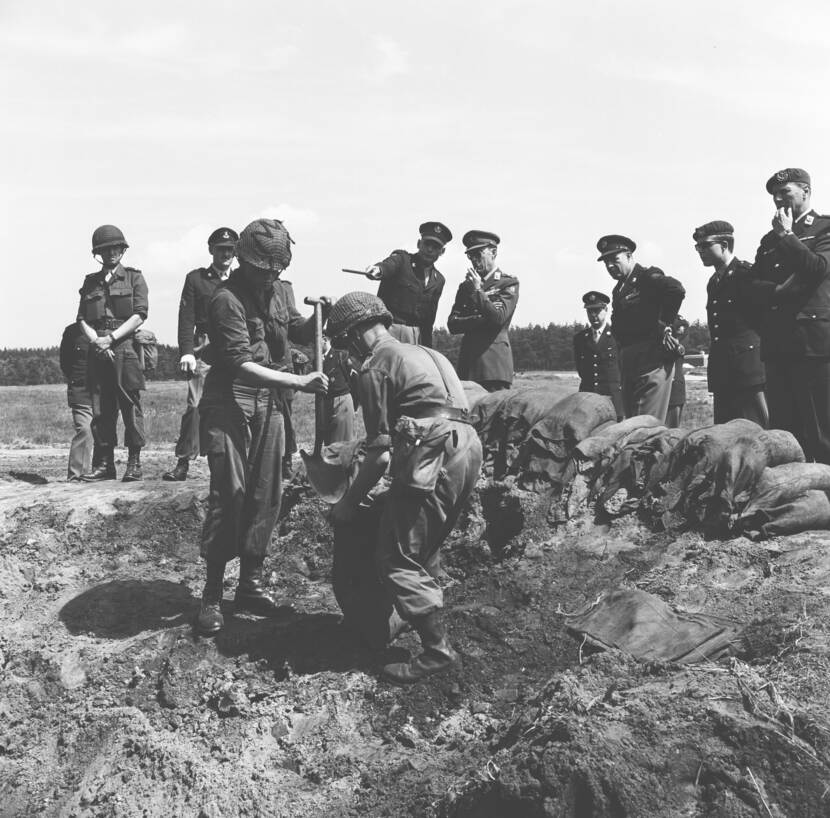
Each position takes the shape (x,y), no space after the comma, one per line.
(534,348)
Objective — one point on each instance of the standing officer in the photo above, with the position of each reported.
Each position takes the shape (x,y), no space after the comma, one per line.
(792,279)
(735,371)
(199,286)
(677,395)
(645,301)
(249,321)
(483,308)
(113,306)
(74,351)
(595,352)
(411,286)
(417,424)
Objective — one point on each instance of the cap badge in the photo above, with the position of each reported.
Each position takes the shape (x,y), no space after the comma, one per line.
(226,235)
(808,220)
(782,176)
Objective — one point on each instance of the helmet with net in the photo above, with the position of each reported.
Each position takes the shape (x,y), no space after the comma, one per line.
(353,309)
(266,244)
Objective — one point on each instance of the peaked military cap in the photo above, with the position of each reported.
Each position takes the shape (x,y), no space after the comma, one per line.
(223,237)
(787,175)
(611,245)
(476,239)
(714,230)
(435,231)
(595,300)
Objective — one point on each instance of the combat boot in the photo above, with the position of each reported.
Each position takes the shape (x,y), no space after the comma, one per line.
(133,474)
(179,471)
(251,597)
(103,465)
(437,657)
(210,619)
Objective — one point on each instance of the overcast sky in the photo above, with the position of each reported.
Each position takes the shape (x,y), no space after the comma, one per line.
(550,123)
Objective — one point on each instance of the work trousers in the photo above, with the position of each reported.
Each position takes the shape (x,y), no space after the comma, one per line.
(414,525)
(115,386)
(243,437)
(338,412)
(188,443)
(646,387)
(746,402)
(80,448)
(798,395)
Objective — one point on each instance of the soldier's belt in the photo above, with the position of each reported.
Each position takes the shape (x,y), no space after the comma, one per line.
(446,412)
(107,323)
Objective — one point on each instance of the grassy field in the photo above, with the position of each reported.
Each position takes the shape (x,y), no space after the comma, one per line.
(38,416)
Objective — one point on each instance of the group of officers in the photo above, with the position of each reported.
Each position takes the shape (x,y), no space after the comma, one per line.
(769,361)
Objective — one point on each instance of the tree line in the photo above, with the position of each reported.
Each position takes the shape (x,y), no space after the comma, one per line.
(534,348)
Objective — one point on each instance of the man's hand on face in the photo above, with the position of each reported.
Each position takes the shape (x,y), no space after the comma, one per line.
(473,278)
(782,221)
(187,364)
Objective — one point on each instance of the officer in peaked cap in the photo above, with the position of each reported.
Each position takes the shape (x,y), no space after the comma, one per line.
(791,282)
(482,312)
(199,286)
(595,352)
(411,285)
(645,302)
(734,371)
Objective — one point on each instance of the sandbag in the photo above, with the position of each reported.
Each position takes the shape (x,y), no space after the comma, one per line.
(474,392)
(613,436)
(643,625)
(809,511)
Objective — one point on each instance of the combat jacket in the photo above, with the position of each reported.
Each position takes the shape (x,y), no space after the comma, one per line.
(643,304)
(199,286)
(74,350)
(106,306)
(411,291)
(244,325)
(795,323)
(735,352)
(483,316)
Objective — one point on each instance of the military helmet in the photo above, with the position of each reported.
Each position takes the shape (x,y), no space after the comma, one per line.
(353,309)
(107,235)
(265,243)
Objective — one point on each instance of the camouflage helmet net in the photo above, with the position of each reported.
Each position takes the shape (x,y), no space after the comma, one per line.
(353,309)
(265,243)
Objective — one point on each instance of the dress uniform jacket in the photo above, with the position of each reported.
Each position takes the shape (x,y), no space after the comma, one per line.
(199,287)
(483,316)
(598,365)
(735,352)
(411,290)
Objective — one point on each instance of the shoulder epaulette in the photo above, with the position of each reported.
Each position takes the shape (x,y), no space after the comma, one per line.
(133,269)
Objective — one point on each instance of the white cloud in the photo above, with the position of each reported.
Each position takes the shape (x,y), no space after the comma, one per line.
(391,60)
(295,218)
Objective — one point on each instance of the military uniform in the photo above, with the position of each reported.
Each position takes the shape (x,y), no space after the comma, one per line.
(598,365)
(677,395)
(338,406)
(795,326)
(115,384)
(74,351)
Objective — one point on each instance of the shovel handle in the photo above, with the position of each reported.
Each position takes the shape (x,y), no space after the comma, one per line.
(319,406)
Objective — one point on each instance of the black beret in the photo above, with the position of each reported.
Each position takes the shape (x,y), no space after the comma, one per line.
(595,299)
(223,237)
(713,230)
(611,245)
(476,239)
(435,231)
(787,175)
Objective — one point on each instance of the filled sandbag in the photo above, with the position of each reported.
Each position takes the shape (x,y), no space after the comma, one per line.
(809,511)
(474,392)
(608,438)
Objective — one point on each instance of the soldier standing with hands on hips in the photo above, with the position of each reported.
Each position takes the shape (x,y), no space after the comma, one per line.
(595,352)
(199,286)
(483,308)
(113,306)
(791,277)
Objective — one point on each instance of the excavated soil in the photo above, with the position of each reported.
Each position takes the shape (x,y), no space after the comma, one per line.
(111,706)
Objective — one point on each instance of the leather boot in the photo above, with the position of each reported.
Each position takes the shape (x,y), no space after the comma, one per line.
(132,474)
(251,597)
(179,471)
(103,465)
(210,618)
(437,657)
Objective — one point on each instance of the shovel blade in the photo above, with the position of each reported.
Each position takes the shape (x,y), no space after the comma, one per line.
(329,480)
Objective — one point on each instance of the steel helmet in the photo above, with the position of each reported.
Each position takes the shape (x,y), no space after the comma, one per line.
(266,244)
(107,235)
(353,309)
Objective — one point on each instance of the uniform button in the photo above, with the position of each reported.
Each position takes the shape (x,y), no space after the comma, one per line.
(714,313)
(752,346)
(716,338)
(774,307)
(812,316)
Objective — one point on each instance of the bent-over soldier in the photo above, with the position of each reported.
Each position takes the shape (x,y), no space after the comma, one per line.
(113,306)
(250,319)
(595,352)
(417,424)
(645,301)
(199,286)
(791,276)
(483,308)
(735,372)
(411,286)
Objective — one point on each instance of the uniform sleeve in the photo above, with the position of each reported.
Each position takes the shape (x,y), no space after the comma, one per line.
(81,302)
(373,396)
(140,295)
(670,294)
(497,309)
(462,319)
(810,265)
(187,316)
(228,331)
(577,356)
(67,349)
(392,265)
